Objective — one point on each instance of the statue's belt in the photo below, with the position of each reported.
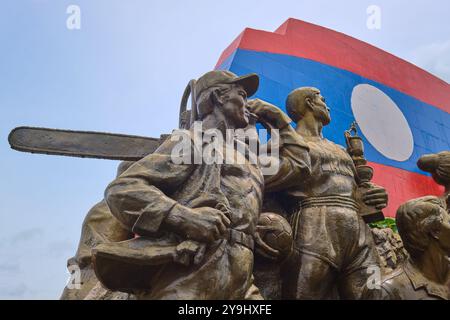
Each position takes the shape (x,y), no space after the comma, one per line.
(239,237)
(329,201)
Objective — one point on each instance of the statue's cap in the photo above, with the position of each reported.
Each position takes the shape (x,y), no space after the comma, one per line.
(249,82)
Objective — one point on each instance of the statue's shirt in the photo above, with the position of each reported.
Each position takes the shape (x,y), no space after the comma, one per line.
(332,171)
(408,283)
(234,182)
(146,193)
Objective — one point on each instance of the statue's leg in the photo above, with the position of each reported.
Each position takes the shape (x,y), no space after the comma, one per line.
(310,272)
(310,278)
(364,267)
(351,286)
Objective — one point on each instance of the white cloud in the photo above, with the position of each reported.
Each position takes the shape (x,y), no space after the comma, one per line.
(435,58)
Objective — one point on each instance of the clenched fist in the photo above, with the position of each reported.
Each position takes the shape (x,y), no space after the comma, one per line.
(375,196)
(268,114)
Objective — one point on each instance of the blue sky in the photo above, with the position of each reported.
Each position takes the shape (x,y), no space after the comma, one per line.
(124,71)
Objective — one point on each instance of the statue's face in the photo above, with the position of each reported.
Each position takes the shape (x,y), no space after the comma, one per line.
(444,233)
(233,108)
(320,108)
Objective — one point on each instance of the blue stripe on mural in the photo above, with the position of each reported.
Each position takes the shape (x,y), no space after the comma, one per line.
(280,74)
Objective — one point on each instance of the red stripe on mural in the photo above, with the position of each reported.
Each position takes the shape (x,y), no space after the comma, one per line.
(301,39)
(403,185)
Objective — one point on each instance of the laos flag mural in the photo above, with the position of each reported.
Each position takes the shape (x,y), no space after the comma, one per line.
(402,111)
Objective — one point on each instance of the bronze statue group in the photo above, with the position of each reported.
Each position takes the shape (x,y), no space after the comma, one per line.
(228,231)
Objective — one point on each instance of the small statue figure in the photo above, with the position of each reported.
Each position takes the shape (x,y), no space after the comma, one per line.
(331,240)
(424,226)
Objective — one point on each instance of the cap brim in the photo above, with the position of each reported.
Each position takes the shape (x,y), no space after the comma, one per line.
(249,82)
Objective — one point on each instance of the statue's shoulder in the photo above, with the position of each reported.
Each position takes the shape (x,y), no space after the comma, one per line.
(391,278)
(178,148)
(388,288)
(395,283)
(179,139)
(332,146)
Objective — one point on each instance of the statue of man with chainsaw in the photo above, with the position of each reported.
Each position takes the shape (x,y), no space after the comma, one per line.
(195,223)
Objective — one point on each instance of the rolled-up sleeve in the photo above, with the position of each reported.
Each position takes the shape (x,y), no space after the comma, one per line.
(140,197)
(294,162)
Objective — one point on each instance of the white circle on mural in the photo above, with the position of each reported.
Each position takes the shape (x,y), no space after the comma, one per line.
(382,122)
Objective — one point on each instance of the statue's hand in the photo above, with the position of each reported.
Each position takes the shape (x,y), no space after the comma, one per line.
(375,196)
(268,113)
(203,224)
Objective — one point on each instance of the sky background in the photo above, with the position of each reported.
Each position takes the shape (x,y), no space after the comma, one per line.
(124,71)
